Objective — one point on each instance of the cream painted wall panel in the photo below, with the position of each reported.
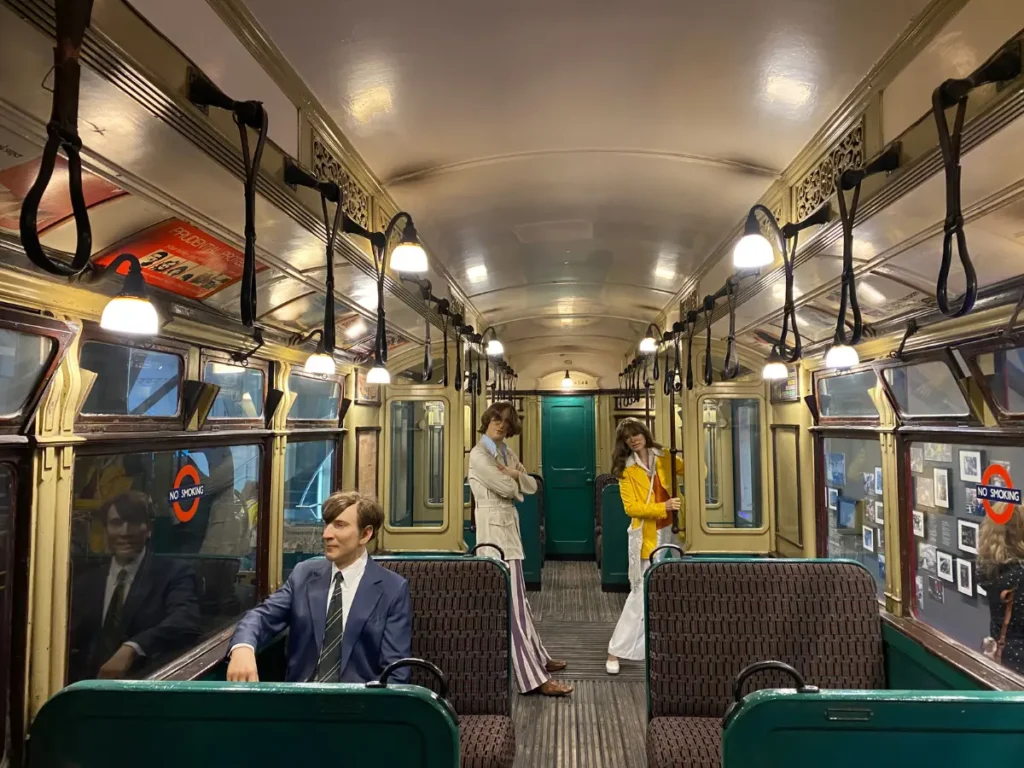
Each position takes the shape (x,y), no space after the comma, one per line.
(964,43)
(195,28)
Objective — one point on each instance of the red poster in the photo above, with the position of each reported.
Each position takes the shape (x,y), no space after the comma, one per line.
(182,259)
(16,181)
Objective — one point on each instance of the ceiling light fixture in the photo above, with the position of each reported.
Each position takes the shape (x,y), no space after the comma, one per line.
(567,381)
(130,312)
(775,369)
(378,375)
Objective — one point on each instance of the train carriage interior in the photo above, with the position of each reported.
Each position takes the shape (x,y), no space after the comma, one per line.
(253,253)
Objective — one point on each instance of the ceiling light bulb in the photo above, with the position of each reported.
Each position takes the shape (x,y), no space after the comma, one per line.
(356,330)
(567,381)
(409,257)
(775,370)
(495,348)
(648,345)
(378,375)
(842,356)
(320,363)
(130,315)
(752,252)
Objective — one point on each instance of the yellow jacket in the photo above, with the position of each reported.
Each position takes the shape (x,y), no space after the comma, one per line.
(633,488)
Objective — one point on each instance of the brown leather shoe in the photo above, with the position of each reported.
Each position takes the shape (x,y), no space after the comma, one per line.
(554,688)
(556,666)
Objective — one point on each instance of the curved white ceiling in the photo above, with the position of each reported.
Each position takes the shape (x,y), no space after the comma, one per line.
(578,160)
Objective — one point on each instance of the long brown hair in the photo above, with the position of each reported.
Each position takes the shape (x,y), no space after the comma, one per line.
(620,453)
(501,410)
(1001,544)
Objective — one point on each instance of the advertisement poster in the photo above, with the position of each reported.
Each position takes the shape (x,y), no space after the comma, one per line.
(17,179)
(181,259)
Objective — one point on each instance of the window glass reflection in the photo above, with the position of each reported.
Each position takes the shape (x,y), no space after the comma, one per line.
(315,399)
(733,495)
(926,389)
(853,504)
(1003,374)
(163,555)
(23,358)
(964,563)
(131,382)
(309,472)
(417,463)
(241,391)
(848,395)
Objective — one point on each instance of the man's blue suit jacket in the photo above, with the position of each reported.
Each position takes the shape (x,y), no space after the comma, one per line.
(378,629)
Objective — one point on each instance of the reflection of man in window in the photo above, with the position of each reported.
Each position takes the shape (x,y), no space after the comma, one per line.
(138,610)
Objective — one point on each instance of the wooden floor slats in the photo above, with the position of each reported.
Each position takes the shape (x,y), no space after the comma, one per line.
(602,725)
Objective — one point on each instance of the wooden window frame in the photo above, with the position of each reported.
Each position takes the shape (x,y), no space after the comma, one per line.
(945,356)
(215,356)
(971,353)
(819,376)
(318,425)
(795,429)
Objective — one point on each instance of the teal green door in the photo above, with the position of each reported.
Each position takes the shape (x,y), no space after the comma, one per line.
(567,445)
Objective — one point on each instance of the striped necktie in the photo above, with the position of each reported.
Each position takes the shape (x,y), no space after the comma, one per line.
(112,621)
(328,667)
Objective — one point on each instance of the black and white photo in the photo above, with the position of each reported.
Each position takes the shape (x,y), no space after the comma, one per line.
(970,466)
(878,481)
(919,591)
(926,555)
(918,521)
(869,538)
(869,483)
(967,536)
(879,512)
(935,589)
(924,492)
(964,573)
(833,497)
(916,459)
(944,566)
(941,488)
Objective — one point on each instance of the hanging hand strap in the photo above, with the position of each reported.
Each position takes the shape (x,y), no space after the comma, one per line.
(709,368)
(332,233)
(788,308)
(849,286)
(62,132)
(257,118)
(731,364)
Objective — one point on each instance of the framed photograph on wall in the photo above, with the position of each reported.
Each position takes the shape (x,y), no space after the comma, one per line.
(878,481)
(918,523)
(832,497)
(967,536)
(939,452)
(935,589)
(835,469)
(926,557)
(924,492)
(868,540)
(916,459)
(942,488)
(970,466)
(785,390)
(366,394)
(879,512)
(944,566)
(964,574)
(367,442)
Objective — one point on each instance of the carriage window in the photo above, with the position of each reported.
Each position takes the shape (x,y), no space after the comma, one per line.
(848,396)
(241,391)
(315,399)
(926,389)
(7,490)
(962,559)
(853,503)
(732,459)
(1002,374)
(163,555)
(23,358)
(416,468)
(130,381)
(309,472)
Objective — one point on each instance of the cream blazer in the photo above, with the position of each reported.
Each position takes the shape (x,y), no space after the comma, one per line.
(497,520)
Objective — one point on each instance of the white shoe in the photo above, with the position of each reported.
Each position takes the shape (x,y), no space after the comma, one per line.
(611,667)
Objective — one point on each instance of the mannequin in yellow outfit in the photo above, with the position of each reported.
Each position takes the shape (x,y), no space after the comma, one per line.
(644,472)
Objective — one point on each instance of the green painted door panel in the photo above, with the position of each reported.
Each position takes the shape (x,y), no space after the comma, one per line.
(886,729)
(529,531)
(567,444)
(118,724)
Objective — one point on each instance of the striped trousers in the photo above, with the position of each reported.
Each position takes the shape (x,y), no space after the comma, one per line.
(528,654)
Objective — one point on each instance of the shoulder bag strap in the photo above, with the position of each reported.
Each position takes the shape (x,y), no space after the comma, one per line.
(1007,597)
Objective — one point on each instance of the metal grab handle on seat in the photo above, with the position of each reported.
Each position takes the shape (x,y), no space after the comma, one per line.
(658,549)
(753,669)
(442,679)
(492,546)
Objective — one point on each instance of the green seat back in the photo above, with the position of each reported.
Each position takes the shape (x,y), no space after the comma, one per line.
(614,522)
(121,724)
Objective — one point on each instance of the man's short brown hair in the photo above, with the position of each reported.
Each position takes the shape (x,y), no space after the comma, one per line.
(134,507)
(502,410)
(369,512)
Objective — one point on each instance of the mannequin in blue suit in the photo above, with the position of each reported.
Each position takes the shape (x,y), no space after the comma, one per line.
(375,616)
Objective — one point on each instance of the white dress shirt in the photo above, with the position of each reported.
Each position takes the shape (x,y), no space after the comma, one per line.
(351,576)
(131,570)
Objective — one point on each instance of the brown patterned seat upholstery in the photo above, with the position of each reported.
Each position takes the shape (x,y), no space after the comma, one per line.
(486,741)
(460,622)
(708,620)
